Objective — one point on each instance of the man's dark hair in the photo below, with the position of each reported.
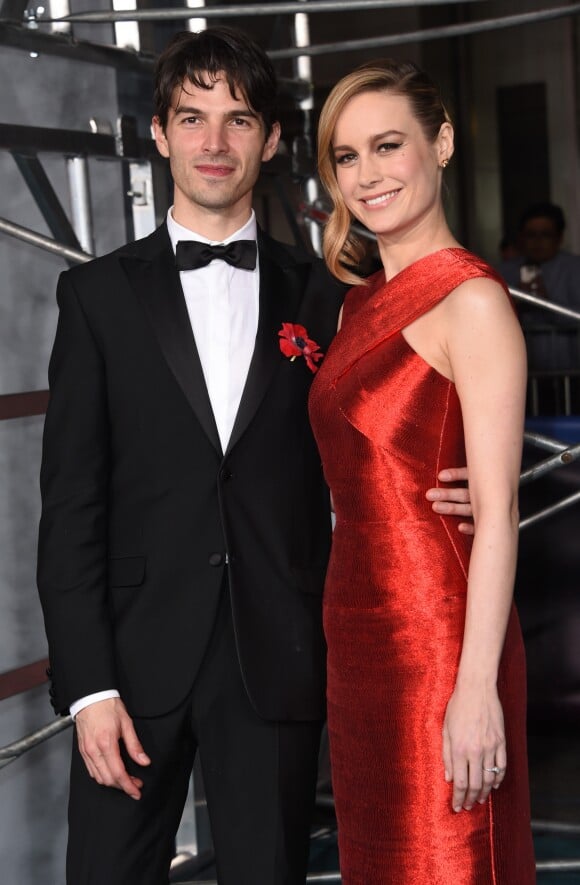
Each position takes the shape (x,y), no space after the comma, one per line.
(545,210)
(201,57)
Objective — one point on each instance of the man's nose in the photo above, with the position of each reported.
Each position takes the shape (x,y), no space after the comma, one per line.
(215,141)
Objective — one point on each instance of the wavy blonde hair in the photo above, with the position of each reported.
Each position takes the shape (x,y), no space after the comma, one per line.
(343,249)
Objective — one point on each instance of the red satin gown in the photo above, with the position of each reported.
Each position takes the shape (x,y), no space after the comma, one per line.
(394,604)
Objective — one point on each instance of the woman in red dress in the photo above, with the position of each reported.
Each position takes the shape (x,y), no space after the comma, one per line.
(426,669)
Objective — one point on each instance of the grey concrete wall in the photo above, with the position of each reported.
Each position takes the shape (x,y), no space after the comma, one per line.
(51,92)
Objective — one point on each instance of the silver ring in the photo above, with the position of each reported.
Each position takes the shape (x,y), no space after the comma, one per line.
(494,770)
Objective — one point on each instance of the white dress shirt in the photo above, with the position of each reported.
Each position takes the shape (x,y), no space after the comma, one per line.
(222,303)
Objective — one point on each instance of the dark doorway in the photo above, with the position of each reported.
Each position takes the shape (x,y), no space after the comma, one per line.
(523,147)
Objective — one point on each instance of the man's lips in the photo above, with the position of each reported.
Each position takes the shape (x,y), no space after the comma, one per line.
(214,171)
(379,199)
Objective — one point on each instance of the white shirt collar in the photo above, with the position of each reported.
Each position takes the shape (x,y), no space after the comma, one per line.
(249,231)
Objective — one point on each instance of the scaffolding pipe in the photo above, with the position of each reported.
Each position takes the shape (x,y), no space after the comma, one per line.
(312,877)
(13,751)
(446,31)
(552,826)
(544,442)
(42,242)
(251,9)
(560,865)
(550,511)
(562,459)
(543,303)
(80,196)
(458,30)
(303,72)
(59,9)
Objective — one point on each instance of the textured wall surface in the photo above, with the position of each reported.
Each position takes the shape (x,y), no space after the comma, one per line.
(51,92)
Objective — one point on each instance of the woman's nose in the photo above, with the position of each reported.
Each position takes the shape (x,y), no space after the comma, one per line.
(369,173)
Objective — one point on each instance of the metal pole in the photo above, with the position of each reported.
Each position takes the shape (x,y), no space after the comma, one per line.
(313,877)
(252,9)
(546,305)
(59,9)
(80,196)
(545,442)
(460,30)
(303,71)
(30,236)
(561,865)
(12,751)
(196,24)
(562,459)
(550,511)
(127,32)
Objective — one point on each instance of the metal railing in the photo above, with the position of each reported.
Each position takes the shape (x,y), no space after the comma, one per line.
(12,752)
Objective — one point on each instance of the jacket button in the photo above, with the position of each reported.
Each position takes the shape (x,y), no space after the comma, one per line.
(216,559)
(226,474)
(48,672)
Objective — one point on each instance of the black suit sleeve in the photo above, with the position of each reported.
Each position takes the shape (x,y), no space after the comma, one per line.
(72,553)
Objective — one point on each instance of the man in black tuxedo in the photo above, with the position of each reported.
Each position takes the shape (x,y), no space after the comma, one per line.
(185,526)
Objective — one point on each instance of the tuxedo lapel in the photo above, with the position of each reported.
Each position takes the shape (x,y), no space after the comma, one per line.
(282,286)
(151,270)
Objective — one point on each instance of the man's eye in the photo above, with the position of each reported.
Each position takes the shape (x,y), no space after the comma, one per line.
(191,120)
(240,121)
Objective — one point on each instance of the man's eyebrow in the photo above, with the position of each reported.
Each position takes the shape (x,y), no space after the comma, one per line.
(186,109)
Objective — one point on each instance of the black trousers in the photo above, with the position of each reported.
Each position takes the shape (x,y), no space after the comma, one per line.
(259,777)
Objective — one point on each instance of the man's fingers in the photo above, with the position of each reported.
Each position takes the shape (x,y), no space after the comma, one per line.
(100,728)
(456,496)
(112,773)
(466,528)
(133,744)
(453,474)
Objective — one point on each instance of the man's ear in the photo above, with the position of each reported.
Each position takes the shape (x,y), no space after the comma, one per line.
(159,136)
(271,145)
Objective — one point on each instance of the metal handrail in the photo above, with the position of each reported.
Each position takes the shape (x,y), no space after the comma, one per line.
(367,43)
(238,11)
(564,457)
(13,751)
(42,242)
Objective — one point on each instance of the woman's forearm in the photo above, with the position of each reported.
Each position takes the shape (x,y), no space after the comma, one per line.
(489,593)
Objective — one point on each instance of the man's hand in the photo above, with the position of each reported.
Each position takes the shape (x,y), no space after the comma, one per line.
(100,727)
(454,501)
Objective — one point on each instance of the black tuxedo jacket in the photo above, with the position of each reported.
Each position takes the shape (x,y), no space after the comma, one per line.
(142,509)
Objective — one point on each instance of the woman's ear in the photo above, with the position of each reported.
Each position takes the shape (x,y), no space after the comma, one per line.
(445,144)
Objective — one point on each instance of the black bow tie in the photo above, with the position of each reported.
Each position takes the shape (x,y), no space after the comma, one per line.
(190,254)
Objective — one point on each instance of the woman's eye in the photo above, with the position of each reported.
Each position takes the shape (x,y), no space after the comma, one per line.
(388,146)
(344,159)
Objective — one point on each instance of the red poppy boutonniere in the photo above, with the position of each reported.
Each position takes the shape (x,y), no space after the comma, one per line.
(294,341)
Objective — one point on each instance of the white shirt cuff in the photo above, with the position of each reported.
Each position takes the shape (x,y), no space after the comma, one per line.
(89,699)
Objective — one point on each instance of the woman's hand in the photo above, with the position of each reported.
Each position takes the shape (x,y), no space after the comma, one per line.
(474,751)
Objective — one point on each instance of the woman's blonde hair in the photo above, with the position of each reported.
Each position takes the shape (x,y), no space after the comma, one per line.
(343,249)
